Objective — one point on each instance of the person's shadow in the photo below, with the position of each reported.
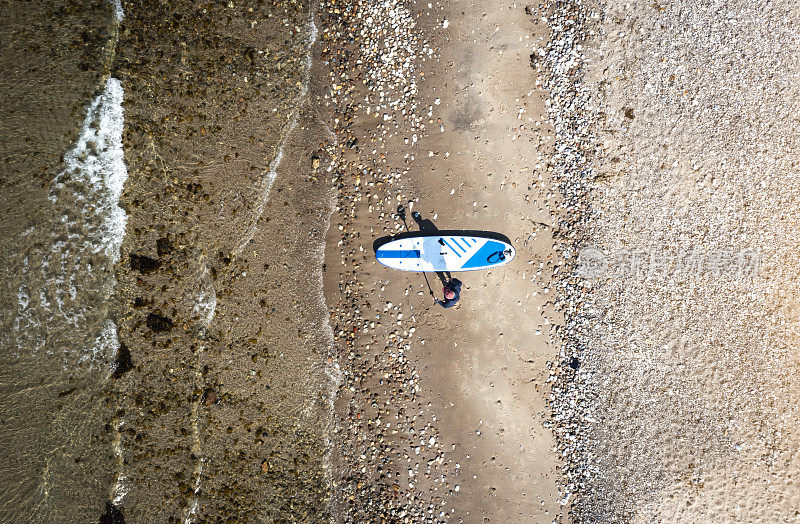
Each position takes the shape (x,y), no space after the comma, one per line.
(429,228)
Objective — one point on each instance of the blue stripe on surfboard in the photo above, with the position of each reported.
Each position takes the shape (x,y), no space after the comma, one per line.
(460,241)
(451,247)
(481,258)
(398,253)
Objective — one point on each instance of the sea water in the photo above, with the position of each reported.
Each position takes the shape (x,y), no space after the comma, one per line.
(77,435)
(58,340)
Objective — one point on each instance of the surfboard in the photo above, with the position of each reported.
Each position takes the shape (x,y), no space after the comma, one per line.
(444,251)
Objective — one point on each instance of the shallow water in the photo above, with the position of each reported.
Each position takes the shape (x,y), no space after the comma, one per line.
(163,358)
(222,408)
(65,271)
(62,229)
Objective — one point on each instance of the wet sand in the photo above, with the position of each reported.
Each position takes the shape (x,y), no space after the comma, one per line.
(485,361)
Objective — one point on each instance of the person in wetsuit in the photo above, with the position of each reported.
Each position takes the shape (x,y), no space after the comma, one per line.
(452,292)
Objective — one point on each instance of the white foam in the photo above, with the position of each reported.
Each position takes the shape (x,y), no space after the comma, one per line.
(67,279)
(312,36)
(205,307)
(23,298)
(118,13)
(97,163)
(193,504)
(106,344)
(205,304)
(331,371)
(120,487)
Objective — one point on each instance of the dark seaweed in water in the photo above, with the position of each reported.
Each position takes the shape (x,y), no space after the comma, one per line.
(123,363)
(163,247)
(143,263)
(112,515)
(158,323)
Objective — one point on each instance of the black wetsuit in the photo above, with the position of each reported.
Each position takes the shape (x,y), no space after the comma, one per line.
(455,285)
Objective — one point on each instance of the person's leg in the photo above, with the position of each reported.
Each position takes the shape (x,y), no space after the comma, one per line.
(441,276)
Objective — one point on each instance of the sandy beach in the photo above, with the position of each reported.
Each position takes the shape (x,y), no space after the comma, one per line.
(195,327)
(455,397)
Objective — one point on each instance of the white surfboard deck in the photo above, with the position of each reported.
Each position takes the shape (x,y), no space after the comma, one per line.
(445,253)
